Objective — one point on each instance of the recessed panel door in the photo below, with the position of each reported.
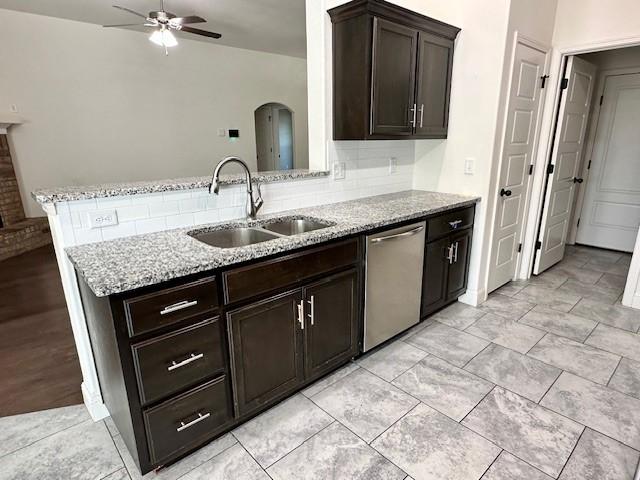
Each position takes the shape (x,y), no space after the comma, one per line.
(393,109)
(517,156)
(611,212)
(565,162)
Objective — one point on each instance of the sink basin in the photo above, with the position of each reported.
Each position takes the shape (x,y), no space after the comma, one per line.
(234,237)
(295,226)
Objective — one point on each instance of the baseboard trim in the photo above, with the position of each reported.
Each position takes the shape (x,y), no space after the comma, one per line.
(474,297)
(96,408)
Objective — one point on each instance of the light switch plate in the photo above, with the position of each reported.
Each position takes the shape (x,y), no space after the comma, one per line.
(222,132)
(339,170)
(393,164)
(469,166)
(103,218)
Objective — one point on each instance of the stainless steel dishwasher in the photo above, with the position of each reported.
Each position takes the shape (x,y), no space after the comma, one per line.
(393,282)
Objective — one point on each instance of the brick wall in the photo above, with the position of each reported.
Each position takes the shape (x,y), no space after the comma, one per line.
(18,234)
(11,209)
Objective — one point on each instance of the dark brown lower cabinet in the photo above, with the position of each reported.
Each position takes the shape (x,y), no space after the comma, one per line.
(279,343)
(266,348)
(330,335)
(446,259)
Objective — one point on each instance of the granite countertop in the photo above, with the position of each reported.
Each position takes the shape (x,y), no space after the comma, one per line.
(125,264)
(67,194)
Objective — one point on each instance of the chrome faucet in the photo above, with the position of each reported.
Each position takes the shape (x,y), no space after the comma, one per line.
(254,205)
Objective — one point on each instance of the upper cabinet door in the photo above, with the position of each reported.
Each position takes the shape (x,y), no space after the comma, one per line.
(433,85)
(331,330)
(393,77)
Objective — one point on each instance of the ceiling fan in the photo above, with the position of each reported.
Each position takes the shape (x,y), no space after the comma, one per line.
(163,22)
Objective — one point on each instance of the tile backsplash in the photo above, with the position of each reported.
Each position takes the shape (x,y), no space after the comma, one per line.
(367,173)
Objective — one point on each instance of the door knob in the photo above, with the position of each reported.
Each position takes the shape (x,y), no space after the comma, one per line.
(505,193)
(578,180)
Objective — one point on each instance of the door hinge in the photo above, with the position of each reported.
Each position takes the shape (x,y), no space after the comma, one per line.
(531,169)
(589,165)
(578,224)
(544,80)
(564,84)
(538,245)
(519,247)
(550,168)
(601,99)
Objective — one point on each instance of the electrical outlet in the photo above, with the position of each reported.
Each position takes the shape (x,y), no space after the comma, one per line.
(339,170)
(469,166)
(103,218)
(14,108)
(393,164)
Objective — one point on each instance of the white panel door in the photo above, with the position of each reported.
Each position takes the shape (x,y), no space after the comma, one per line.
(611,210)
(523,113)
(565,159)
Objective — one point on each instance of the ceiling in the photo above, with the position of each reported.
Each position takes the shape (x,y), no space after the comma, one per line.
(276,26)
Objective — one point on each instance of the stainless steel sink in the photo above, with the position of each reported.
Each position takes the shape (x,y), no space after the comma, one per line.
(294,226)
(234,237)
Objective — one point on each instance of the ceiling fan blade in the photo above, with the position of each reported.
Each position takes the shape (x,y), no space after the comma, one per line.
(130,11)
(186,20)
(125,25)
(197,31)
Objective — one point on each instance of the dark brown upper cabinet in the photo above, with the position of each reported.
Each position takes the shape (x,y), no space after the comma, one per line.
(391,72)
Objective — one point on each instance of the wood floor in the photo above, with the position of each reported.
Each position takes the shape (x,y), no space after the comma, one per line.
(39,364)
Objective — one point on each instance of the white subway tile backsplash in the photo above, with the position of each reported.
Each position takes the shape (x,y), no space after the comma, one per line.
(367,173)
(205,216)
(124,229)
(132,212)
(163,209)
(179,221)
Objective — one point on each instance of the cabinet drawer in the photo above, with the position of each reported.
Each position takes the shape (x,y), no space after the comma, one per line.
(171,305)
(253,280)
(167,364)
(180,424)
(449,222)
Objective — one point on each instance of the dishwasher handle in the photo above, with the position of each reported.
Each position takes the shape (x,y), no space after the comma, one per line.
(398,235)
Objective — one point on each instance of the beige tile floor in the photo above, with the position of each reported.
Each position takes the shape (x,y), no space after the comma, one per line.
(541,381)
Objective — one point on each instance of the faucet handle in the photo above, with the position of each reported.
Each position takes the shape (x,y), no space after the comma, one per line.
(259,201)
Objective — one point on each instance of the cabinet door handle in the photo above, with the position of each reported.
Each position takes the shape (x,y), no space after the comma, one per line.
(413,111)
(192,358)
(312,310)
(455,253)
(178,306)
(201,417)
(450,254)
(301,314)
(421,114)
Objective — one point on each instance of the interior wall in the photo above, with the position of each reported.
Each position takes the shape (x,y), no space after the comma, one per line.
(105,105)
(478,99)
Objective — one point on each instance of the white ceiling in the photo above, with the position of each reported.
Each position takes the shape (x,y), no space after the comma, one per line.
(276,26)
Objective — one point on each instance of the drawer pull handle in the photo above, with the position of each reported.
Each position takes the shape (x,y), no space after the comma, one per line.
(201,417)
(174,365)
(178,306)
(455,224)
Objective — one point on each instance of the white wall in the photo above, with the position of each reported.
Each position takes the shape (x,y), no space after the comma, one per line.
(580,22)
(473,114)
(106,105)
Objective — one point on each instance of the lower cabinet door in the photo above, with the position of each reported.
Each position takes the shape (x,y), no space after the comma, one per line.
(461,248)
(331,323)
(267,350)
(434,278)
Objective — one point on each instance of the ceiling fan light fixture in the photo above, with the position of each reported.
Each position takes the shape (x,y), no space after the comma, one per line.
(163,38)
